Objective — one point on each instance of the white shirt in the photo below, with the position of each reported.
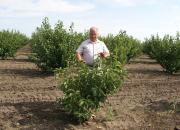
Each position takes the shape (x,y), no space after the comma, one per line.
(90,50)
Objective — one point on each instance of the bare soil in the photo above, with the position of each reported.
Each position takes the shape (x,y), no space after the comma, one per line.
(148,100)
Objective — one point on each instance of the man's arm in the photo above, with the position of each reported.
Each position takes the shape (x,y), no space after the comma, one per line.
(105,52)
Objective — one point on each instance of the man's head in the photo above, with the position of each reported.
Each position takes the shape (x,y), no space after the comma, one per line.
(93,34)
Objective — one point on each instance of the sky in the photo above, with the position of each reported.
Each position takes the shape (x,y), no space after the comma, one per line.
(139,18)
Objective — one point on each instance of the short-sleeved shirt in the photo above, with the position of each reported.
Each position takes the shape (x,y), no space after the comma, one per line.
(90,50)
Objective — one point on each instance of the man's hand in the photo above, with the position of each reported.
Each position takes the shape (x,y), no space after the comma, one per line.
(82,61)
(79,58)
(104,54)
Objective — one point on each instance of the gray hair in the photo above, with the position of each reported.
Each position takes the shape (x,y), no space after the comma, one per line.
(93,29)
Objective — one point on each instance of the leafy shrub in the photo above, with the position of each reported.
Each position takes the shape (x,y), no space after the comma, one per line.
(86,88)
(54,48)
(10,41)
(150,46)
(165,50)
(123,46)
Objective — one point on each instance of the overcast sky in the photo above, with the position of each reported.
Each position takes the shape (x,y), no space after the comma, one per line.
(140,18)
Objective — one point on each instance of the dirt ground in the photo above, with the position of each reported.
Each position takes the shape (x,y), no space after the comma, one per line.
(149,99)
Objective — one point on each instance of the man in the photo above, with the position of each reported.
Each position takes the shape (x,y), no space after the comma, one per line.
(90,49)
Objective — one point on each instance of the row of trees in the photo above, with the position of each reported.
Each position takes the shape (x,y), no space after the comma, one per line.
(55,47)
(10,41)
(165,50)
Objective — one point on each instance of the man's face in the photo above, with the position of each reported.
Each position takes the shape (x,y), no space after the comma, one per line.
(93,35)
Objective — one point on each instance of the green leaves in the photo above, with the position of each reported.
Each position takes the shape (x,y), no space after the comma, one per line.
(54,48)
(123,47)
(166,51)
(87,88)
(10,41)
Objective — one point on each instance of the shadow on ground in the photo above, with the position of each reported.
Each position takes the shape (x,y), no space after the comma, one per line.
(42,116)
(29,73)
